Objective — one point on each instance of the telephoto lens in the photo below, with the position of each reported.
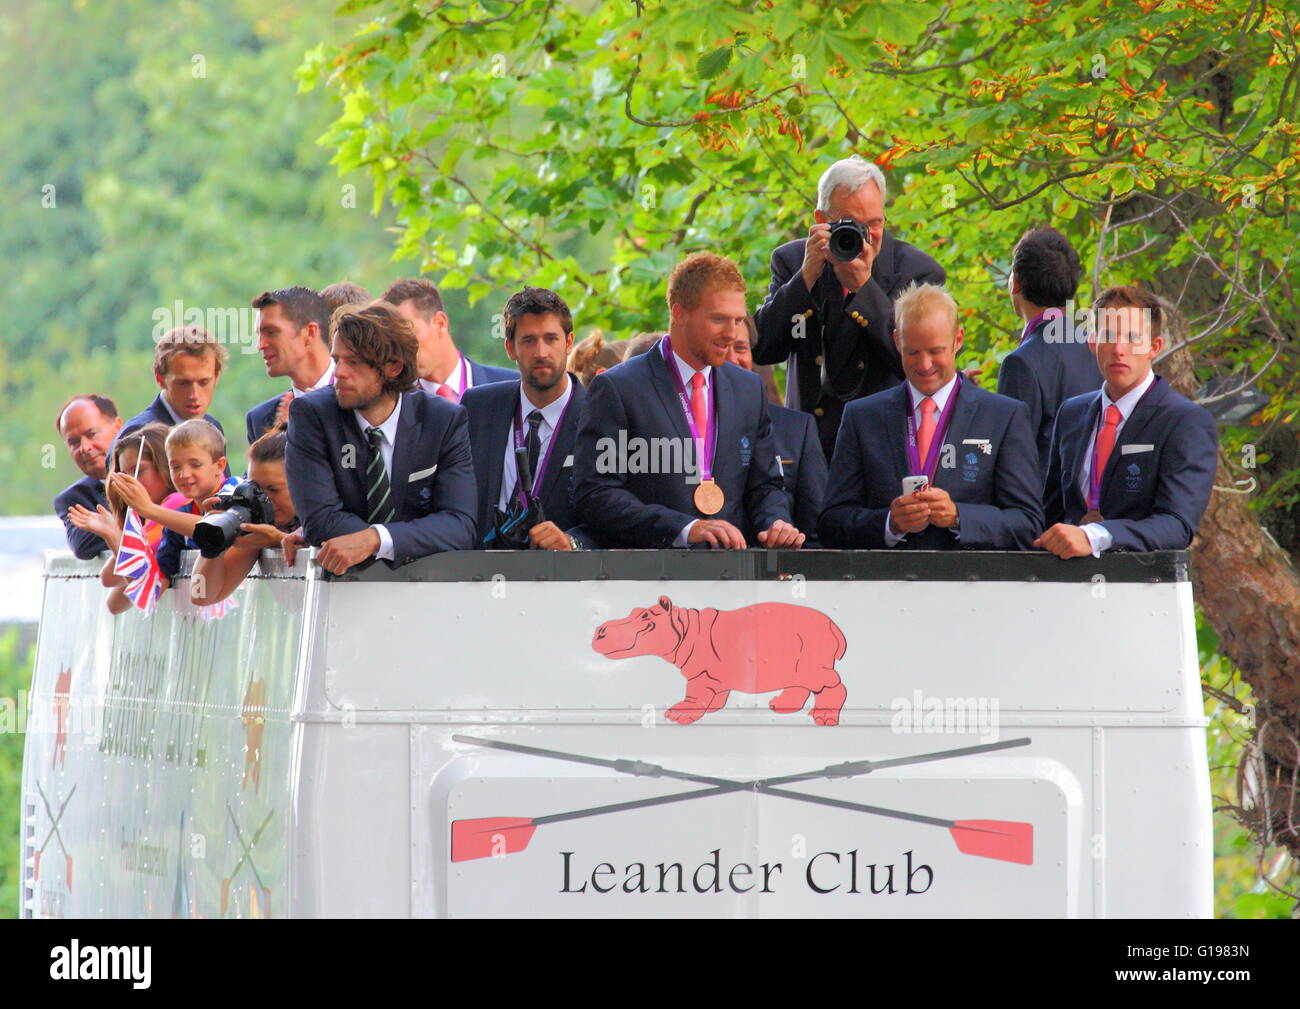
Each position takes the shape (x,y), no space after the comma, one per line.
(847,237)
(217,530)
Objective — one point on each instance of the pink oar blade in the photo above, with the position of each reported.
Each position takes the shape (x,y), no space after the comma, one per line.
(488,837)
(1001,839)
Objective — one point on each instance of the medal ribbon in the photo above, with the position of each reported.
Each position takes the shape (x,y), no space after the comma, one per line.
(546,456)
(706,445)
(940,431)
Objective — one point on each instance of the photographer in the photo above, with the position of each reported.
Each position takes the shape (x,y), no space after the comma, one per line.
(829,310)
(216,578)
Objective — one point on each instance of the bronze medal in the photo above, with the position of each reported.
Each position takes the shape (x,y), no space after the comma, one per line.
(709,498)
(1091,516)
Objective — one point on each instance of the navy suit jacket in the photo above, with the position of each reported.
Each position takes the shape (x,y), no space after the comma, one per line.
(487,374)
(1043,375)
(492,409)
(998,493)
(87,492)
(258,419)
(432,477)
(803,465)
(1159,476)
(157,411)
(638,400)
(854,335)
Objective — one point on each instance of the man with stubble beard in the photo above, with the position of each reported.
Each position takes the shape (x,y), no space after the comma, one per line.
(538,413)
(376,467)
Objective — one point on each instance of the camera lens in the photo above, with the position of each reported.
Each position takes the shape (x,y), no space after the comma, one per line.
(217,531)
(846,241)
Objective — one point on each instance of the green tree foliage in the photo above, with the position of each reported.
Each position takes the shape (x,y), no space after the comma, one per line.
(1161,136)
(180,164)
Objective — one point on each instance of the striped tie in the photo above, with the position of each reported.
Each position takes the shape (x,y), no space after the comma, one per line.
(379,497)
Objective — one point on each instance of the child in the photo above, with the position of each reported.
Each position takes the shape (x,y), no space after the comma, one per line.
(149,467)
(215,578)
(196,459)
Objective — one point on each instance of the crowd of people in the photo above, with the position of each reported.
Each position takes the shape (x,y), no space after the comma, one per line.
(390,444)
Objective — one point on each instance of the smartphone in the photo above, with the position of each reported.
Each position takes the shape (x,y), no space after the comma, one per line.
(912,484)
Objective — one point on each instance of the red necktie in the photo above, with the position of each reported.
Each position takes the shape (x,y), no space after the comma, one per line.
(699,407)
(447,392)
(926,434)
(1106,439)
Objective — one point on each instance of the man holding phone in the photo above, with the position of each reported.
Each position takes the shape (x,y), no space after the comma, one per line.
(937,463)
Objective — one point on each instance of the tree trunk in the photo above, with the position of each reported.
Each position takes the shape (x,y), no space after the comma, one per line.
(1249,591)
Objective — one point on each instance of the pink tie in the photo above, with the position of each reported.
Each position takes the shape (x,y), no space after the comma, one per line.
(447,392)
(698,406)
(926,434)
(1106,439)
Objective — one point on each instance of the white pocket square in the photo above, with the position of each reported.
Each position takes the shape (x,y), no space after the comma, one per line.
(422,474)
(1135,449)
(568,461)
(982,444)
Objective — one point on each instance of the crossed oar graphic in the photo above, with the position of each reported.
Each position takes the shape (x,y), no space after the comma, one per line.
(1006,840)
(53,832)
(247,856)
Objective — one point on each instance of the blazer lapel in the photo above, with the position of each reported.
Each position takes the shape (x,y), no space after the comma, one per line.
(1074,446)
(963,414)
(884,271)
(726,422)
(352,436)
(1132,433)
(160,412)
(896,433)
(562,438)
(500,436)
(666,389)
(409,428)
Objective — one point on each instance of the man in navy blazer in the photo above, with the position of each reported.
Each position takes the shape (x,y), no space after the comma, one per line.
(293,326)
(1155,450)
(441,368)
(833,320)
(88,425)
(187,365)
(376,468)
(801,464)
(975,447)
(675,446)
(504,415)
(1052,362)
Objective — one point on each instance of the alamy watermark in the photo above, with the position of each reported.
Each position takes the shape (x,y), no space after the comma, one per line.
(226,325)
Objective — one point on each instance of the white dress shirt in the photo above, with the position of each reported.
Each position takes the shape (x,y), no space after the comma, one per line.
(918,397)
(388,437)
(687,372)
(460,379)
(1098,535)
(550,421)
(320,383)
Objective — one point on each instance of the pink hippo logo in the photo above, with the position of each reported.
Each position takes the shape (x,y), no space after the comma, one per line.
(757,649)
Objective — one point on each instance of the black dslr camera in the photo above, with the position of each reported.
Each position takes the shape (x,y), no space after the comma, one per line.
(510,528)
(245,502)
(847,237)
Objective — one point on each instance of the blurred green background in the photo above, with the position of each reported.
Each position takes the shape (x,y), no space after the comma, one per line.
(152,151)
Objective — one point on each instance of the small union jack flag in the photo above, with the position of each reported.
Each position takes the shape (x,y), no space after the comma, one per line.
(136,562)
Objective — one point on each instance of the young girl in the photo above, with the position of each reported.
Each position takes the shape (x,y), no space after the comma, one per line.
(215,578)
(196,458)
(147,447)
